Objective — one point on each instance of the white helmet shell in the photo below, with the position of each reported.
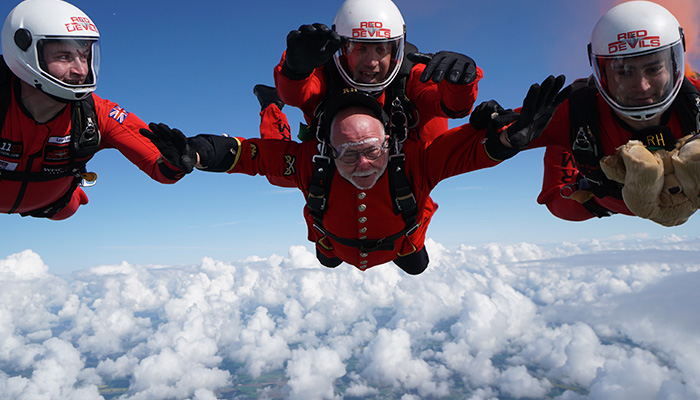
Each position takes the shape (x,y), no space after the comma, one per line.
(34,23)
(625,42)
(370,24)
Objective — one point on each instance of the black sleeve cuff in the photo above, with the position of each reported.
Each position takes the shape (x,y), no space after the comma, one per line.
(216,153)
(167,171)
(453,114)
(495,149)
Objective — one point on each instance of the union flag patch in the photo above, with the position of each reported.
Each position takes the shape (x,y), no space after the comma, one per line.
(118,114)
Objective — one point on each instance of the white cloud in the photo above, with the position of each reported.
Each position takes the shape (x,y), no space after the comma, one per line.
(23,266)
(312,373)
(260,346)
(604,319)
(637,376)
(390,362)
(58,372)
(517,382)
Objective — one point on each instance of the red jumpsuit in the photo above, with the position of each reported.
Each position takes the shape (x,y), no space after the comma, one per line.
(560,168)
(368,214)
(432,100)
(435,101)
(28,145)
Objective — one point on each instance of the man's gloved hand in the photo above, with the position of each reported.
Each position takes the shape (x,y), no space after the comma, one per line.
(308,48)
(485,113)
(454,67)
(173,145)
(538,108)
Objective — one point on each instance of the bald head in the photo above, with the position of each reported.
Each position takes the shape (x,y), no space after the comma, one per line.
(352,122)
(355,130)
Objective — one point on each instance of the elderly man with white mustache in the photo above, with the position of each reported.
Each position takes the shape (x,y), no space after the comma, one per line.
(368,193)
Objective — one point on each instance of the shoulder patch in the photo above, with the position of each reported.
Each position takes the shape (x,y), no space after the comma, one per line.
(118,114)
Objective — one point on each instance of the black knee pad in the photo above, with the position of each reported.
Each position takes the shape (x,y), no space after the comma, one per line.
(327,261)
(414,263)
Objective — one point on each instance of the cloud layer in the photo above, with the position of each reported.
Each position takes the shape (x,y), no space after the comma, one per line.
(597,320)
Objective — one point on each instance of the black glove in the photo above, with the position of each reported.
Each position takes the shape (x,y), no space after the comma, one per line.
(217,153)
(454,67)
(484,113)
(173,145)
(308,48)
(538,107)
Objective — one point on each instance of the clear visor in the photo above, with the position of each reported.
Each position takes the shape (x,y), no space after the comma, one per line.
(642,83)
(70,62)
(370,63)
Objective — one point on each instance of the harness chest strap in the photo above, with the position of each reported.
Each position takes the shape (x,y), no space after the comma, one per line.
(320,185)
(404,202)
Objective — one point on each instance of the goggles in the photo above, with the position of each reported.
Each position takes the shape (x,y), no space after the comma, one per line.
(352,156)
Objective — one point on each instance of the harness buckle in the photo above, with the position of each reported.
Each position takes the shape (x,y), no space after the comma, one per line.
(580,191)
(413,229)
(397,155)
(320,229)
(399,200)
(90,131)
(583,141)
(398,121)
(321,149)
(320,157)
(322,205)
(318,127)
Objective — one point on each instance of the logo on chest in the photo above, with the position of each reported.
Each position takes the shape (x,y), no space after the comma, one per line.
(10,149)
(57,149)
(57,154)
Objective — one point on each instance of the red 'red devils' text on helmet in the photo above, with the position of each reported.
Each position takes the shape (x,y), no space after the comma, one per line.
(637,54)
(373,28)
(34,24)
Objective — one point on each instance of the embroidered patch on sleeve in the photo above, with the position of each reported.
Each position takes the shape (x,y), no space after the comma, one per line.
(289,160)
(118,114)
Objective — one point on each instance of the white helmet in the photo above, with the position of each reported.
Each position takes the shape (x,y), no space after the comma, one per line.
(638,43)
(30,26)
(375,23)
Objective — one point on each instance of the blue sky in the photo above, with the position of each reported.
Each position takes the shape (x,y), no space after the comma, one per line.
(194,68)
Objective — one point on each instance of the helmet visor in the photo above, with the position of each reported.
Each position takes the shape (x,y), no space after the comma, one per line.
(640,83)
(69,62)
(370,64)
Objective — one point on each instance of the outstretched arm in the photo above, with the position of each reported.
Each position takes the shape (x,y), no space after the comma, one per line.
(509,132)
(447,83)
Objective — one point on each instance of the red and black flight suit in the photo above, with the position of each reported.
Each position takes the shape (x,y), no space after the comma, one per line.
(26,145)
